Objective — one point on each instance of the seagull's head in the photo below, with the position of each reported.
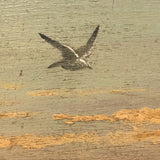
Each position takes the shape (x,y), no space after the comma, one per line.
(84,63)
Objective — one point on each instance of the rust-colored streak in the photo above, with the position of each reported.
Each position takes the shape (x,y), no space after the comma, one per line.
(10,86)
(138,116)
(17,114)
(144,135)
(80,92)
(33,141)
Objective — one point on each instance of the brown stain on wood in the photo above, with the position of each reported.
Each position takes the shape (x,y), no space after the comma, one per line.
(138,116)
(145,135)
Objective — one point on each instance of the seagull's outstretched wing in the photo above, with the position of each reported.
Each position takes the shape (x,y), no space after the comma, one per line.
(84,50)
(92,39)
(67,52)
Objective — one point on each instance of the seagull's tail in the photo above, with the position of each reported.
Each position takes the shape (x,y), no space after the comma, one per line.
(55,64)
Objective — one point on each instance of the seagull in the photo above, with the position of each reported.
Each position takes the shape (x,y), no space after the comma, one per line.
(73,59)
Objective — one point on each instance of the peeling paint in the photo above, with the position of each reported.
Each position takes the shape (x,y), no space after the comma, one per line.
(33,141)
(17,114)
(139,116)
(117,138)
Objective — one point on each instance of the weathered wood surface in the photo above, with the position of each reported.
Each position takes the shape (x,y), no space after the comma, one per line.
(108,113)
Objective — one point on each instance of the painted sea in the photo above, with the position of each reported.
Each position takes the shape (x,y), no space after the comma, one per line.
(110,112)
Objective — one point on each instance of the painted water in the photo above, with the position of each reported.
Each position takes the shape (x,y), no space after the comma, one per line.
(125,74)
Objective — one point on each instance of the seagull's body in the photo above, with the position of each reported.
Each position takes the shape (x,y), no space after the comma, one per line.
(72,59)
